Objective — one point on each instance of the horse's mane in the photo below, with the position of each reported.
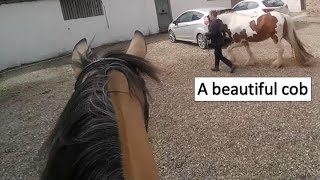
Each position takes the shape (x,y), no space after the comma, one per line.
(230,12)
(225,11)
(85,142)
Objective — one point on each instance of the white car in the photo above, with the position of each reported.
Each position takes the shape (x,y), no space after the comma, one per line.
(258,7)
(191,25)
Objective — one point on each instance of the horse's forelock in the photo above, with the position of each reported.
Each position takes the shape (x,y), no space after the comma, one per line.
(132,67)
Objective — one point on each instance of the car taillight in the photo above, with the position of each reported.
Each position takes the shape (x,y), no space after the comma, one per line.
(206,21)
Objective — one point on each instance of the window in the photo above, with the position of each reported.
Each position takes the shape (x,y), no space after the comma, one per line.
(75,9)
(272,3)
(241,6)
(186,17)
(252,5)
(196,16)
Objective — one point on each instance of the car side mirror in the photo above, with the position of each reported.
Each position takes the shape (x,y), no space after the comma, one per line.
(175,22)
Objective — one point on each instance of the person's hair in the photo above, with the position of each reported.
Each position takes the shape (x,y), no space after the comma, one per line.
(214,13)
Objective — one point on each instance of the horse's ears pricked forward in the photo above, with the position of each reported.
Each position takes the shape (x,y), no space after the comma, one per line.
(79,55)
(138,45)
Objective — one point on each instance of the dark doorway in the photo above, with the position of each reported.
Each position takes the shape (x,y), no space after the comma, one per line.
(164,14)
(303,4)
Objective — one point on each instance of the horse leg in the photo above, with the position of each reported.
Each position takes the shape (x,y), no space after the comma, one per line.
(230,54)
(251,60)
(279,61)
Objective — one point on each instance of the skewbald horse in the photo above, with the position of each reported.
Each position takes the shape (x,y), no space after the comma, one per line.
(243,29)
(102,132)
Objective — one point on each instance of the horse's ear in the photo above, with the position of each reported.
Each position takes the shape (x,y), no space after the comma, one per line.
(79,56)
(138,45)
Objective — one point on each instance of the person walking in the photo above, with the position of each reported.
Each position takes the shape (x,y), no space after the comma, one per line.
(217,34)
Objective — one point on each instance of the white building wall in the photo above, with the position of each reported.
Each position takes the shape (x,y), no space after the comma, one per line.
(33,31)
(179,6)
(294,5)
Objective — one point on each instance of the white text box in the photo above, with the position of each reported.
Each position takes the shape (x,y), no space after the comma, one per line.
(253,89)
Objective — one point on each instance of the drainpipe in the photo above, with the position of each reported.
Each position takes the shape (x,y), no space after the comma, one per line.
(105,14)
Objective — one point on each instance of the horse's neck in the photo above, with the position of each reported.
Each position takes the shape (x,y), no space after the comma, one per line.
(138,162)
(225,18)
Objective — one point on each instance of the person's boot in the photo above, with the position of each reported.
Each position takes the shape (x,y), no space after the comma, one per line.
(215,68)
(233,68)
(216,65)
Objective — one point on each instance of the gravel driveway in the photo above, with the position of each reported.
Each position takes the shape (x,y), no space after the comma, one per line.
(191,140)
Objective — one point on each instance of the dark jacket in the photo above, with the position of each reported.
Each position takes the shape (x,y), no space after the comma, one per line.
(216,32)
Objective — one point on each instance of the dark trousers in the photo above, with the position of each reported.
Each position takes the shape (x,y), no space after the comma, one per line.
(219,56)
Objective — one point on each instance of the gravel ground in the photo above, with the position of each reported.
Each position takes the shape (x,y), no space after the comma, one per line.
(313,7)
(191,140)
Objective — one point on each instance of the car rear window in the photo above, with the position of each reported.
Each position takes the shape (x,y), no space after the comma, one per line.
(196,15)
(272,3)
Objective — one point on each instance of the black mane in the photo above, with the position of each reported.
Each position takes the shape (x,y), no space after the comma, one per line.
(225,11)
(85,142)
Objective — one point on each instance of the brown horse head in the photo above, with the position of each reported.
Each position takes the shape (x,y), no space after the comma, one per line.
(101,133)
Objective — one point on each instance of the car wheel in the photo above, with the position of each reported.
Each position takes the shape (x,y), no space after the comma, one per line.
(202,41)
(172,36)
